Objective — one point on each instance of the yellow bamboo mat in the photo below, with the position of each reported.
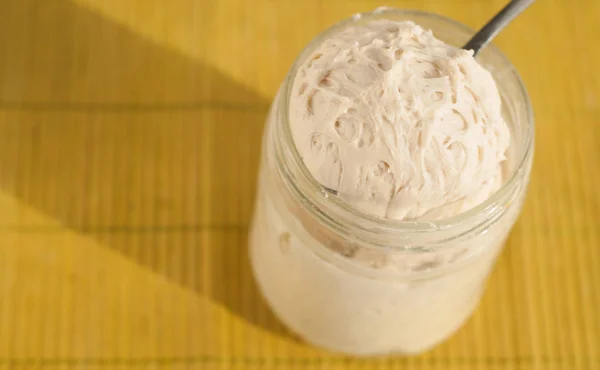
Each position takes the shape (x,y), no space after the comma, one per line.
(124,201)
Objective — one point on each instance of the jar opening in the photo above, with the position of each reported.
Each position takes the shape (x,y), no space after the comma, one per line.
(331,210)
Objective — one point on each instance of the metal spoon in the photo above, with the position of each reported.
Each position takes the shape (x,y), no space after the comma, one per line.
(487,34)
(496,24)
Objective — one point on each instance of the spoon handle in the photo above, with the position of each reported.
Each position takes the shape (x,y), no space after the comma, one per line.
(496,24)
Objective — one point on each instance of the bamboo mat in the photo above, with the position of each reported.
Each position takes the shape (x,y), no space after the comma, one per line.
(124,204)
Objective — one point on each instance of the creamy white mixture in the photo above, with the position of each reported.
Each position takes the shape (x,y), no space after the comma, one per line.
(335,308)
(402,126)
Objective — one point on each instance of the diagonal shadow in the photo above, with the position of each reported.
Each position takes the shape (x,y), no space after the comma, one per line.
(131,143)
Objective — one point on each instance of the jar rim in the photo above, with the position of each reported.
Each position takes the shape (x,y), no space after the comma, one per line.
(484,209)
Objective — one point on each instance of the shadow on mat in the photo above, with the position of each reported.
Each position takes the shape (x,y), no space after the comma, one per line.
(131,143)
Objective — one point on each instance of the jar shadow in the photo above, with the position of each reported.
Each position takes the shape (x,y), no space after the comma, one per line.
(117,151)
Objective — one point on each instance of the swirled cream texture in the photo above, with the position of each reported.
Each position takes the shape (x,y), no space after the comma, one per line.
(399,123)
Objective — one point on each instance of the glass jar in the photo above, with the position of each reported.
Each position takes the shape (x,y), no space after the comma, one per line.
(362,285)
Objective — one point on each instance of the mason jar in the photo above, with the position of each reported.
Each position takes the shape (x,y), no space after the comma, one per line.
(362,285)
